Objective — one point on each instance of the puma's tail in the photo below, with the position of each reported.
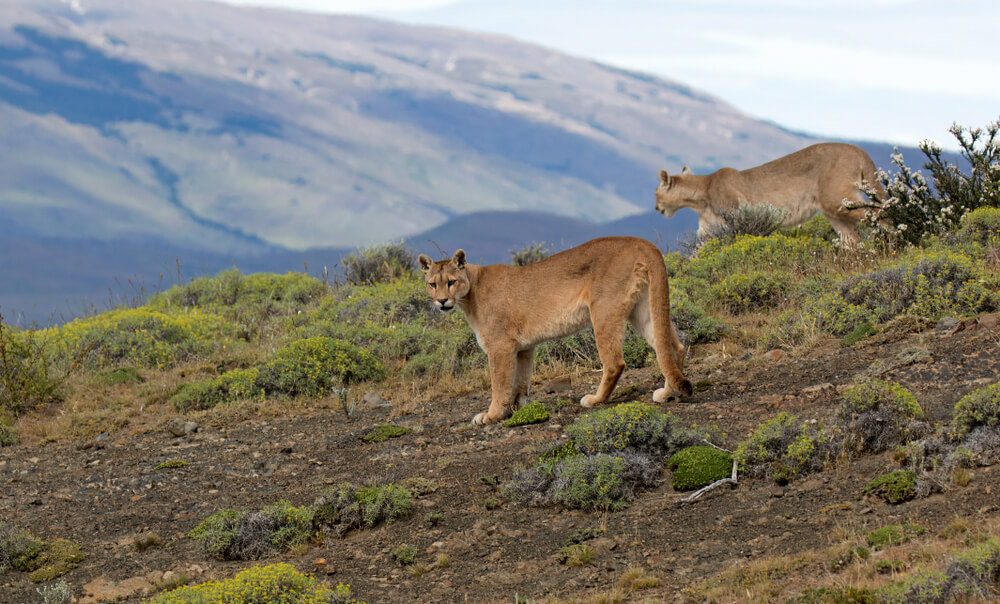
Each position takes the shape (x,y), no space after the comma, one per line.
(669,350)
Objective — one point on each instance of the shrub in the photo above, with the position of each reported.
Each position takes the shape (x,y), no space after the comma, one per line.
(18,549)
(759,220)
(239,535)
(529,254)
(137,336)
(876,415)
(344,507)
(784,448)
(56,593)
(234,385)
(692,319)
(861,331)
(753,291)
(922,586)
(8,435)
(58,557)
(405,554)
(265,584)
(894,534)
(379,264)
(230,290)
(695,467)
(775,253)
(980,407)
(895,487)
(981,226)
(977,568)
(912,210)
(26,378)
(637,426)
(575,555)
(532,413)
(172,464)
(817,227)
(384,432)
(314,366)
(121,375)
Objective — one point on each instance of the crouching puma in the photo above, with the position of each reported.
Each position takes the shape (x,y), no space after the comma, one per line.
(511,309)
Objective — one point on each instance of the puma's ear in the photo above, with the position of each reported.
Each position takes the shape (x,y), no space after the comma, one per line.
(665,178)
(685,170)
(425,262)
(458,259)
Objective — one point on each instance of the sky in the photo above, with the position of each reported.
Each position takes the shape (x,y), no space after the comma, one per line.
(896,71)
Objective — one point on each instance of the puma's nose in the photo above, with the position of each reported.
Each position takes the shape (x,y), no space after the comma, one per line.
(444,305)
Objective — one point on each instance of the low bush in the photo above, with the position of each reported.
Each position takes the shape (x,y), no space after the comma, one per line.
(760,220)
(719,258)
(379,264)
(695,467)
(981,226)
(635,426)
(981,407)
(240,535)
(18,549)
(405,554)
(784,448)
(344,507)
(59,592)
(137,336)
(895,487)
(234,385)
(529,254)
(532,413)
(754,291)
(876,415)
(58,557)
(27,379)
(314,366)
(266,584)
(894,534)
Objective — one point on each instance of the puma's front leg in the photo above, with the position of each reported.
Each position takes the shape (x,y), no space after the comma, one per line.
(522,379)
(502,367)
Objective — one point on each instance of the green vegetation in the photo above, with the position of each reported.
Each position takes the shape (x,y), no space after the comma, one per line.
(379,264)
(532,413)
(784,448)
(529,254)
(18,549)
(344,507)
(172,464)
(384,432)
(876,415)
(610,455)
(265,584)
(576,555)
(894,534)
(121,375)
(695,467)
(895,487)
(240,535)
(980,407)
(58,557)
(405,554)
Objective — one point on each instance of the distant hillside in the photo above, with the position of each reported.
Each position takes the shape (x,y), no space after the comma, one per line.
(231,129)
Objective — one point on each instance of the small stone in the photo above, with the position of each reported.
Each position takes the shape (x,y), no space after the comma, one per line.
(182,427)
(946,324)
(775,355)
(818,388)
(374,400)
(559,384)
(778,492)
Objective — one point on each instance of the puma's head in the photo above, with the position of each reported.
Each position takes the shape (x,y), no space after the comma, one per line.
(447,280)
(670,195)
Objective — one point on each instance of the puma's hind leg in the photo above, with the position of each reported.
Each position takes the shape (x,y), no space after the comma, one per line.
(608,332)
(670,357)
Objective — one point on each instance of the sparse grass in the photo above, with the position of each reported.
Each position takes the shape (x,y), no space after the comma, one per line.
(575,555)
(894,534)
(637,578)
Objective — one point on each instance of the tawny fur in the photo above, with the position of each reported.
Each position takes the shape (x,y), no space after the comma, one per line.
(815,179)
(603,283)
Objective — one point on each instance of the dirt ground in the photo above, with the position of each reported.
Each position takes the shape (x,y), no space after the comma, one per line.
(104,494)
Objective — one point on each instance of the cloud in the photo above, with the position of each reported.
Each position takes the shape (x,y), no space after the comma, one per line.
(349,6)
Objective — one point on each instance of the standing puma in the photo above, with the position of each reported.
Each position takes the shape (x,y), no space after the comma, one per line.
(818,178)
(603,282)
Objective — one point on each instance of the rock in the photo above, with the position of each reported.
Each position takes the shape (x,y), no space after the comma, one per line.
(945,325)
(817,389)
(559,384)
(774,355)
(182,427)
(374,400)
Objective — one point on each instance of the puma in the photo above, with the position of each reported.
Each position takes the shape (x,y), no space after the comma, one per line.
(818,178)
(511,309)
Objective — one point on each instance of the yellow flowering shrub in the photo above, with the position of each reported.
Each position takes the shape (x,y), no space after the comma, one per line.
(137,336)
(272,584)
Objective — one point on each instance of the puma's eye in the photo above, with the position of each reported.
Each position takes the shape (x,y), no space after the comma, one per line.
(450,283)
(432,285)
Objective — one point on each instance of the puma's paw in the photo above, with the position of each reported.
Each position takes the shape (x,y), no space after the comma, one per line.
(484,419)
(662,395)
(589,401)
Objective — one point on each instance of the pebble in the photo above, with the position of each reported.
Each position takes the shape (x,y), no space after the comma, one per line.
(182,427)
(374,400)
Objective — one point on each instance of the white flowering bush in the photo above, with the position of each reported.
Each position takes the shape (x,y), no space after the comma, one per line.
(912,208)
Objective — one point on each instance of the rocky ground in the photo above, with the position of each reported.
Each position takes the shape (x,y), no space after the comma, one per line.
(131,519)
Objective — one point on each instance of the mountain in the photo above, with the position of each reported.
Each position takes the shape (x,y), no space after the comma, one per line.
(232,129)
